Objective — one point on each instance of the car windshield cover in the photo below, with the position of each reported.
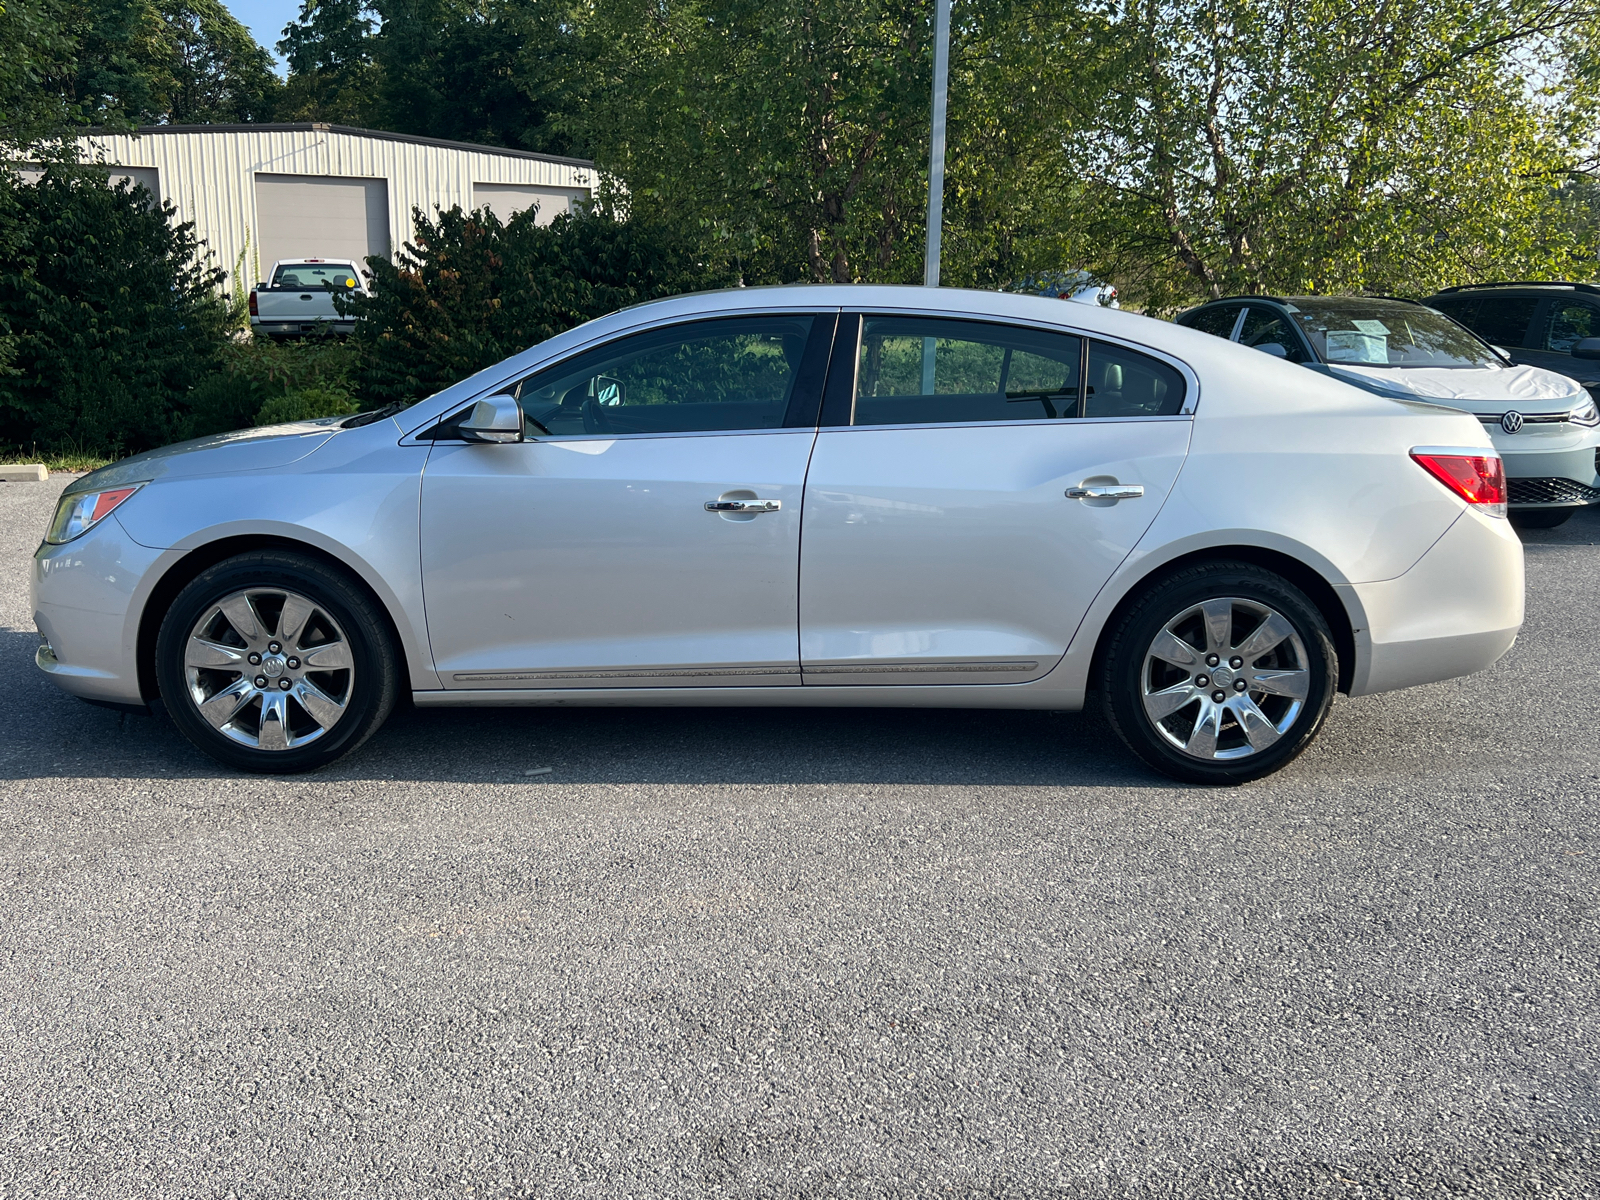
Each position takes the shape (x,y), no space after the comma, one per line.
(314,275)
(1387,333)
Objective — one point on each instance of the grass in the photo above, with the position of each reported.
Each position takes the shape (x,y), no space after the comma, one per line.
(53,462)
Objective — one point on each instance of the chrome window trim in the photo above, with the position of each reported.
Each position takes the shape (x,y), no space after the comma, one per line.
(1191,399)
(1238,323)
(1055,423)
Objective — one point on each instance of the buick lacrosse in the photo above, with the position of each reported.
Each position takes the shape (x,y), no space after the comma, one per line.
(866,496)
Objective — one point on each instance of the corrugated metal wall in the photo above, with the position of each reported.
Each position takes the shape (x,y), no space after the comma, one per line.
(209,174)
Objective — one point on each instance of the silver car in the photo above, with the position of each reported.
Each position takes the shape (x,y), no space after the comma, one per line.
(798,496)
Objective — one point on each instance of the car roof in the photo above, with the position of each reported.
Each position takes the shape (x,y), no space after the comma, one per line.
(1533,285)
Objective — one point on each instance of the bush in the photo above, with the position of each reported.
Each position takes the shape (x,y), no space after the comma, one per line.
(469,291)
(306,405)
(109,314)
(257,374)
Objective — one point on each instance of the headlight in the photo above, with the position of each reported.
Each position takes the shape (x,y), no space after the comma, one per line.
(1584,413)
(81,512)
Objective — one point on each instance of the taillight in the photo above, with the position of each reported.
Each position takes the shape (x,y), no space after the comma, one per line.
(254,311)
(1479,479)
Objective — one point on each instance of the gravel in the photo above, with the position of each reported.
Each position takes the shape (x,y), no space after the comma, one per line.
(807,953)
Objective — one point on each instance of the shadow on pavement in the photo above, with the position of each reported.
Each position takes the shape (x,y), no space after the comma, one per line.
(45,733)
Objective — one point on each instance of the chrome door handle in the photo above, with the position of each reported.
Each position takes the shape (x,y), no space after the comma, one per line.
(1107,491)
(744,506)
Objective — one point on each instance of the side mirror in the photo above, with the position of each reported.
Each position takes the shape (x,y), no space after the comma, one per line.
(1587,348)
(1272,350)
(496,419)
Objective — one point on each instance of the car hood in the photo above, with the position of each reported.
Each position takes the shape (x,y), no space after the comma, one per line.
(1496,386)
(219,454)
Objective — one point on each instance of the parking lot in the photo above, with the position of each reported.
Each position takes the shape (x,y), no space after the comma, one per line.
(808,953)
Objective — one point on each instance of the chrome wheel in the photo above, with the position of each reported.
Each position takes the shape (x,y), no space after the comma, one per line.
(1225,679)
(269,669)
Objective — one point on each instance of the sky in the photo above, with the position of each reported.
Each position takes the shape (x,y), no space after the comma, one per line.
(265,19)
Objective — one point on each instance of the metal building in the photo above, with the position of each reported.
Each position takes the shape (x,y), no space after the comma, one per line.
(327,191)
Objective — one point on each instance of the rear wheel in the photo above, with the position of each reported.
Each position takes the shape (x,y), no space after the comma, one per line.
(1541,518)
(276,663)
(1219,674)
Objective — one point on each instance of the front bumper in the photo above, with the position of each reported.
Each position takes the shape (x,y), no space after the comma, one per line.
(1456,611)
(1558,469)
(87,595)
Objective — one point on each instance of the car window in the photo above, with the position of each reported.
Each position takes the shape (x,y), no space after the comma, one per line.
(922,370)
(314,275)
(705,376)
(1218,321)
(1269,327)
(1373,332)
(1125,383)
(1570,324)
(1499,320)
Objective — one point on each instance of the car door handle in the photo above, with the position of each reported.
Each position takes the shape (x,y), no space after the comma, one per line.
(744,506)
(1107,491)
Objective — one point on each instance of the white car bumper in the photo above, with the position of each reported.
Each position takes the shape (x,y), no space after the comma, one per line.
(86,597)
(1456,611)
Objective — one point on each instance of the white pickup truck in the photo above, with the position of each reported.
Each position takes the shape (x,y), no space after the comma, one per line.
(298,298)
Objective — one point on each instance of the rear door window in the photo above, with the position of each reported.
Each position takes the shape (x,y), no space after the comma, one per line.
(1125,383)
(931,370)
(1218,321)
(1500,320)
(1570,323)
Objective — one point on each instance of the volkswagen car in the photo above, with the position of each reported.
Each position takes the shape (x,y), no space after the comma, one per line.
(1544,424)
(830,495)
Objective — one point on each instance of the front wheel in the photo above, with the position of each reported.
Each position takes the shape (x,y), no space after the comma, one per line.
(276,663)
(1219,674)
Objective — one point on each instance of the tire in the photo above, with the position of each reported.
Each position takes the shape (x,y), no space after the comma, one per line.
(1160,706)
(1541,518)
(275,663)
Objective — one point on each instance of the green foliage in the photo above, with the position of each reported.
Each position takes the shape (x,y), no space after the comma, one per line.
(112,315)
(496,72)
(468,292)
(1264,145)
(257,374)
(37,51)
(117,63)
(305,405)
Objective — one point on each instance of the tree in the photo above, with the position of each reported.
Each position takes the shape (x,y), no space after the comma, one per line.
(332,76)
(1264,145)
(496,72)
(112,313)
(468,291)
(793,135)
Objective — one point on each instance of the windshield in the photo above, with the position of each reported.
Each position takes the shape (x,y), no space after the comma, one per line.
(315,275)
(1386,333)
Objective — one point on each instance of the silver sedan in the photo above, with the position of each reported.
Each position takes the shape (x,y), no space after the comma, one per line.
(798,496)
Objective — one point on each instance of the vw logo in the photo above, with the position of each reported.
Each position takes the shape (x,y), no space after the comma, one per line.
(1511,422)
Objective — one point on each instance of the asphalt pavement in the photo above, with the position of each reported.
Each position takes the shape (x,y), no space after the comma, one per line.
(798,953)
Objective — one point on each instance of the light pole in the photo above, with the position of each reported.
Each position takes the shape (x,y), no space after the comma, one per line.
(941,85)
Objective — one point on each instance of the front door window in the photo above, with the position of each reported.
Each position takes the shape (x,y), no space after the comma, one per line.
(707,376)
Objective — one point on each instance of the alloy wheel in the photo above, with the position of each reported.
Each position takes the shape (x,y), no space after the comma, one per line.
(269,669)
(1225,679)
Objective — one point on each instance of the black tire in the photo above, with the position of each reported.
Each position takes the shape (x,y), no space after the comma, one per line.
(1127,670)
(1541,518)
(364,692)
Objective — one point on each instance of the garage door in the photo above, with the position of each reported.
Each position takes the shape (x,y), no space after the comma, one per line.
(507,199)
(321,216)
